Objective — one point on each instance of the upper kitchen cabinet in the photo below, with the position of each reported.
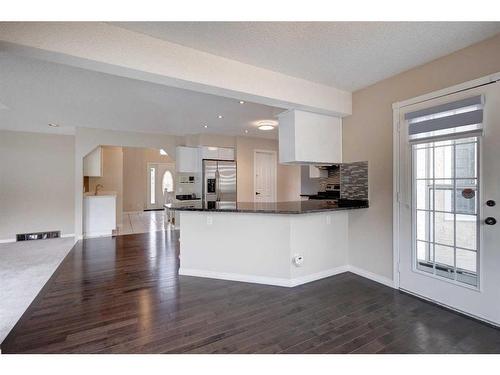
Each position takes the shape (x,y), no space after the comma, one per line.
(218,153)
(309,138)
(187,159)
(92,163)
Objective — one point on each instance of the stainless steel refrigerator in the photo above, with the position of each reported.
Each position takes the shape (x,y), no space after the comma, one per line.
(219,183)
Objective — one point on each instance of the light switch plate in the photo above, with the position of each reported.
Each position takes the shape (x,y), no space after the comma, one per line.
(328,219)
(209,220)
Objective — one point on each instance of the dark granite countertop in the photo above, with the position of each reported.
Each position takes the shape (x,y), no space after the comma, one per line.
(295,207)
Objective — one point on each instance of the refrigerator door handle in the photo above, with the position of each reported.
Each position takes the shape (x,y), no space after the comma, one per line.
(217,184)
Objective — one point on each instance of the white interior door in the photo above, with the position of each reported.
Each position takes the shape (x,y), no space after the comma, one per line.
(448,250)
(160,181)
(265,176)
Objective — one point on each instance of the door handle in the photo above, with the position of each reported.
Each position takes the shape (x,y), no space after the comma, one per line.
(490,221)
(257,193)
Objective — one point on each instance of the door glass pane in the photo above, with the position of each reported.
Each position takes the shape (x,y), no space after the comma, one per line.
(467,231)
(466,196)
(424,225)
(443,162)
(425,256)
(444,227)
(424,190)
(445,200)
(152,186)
(445,261)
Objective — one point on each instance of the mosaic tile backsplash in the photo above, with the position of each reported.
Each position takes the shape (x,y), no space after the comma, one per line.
(354,180)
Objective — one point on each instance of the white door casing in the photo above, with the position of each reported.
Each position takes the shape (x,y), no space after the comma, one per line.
(265,171)
(482,302)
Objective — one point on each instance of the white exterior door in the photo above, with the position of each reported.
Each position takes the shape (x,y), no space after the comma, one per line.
(160,181)
(449,251)
(265,176)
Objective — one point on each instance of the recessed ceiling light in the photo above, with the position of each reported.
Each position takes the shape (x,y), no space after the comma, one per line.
(205,126)
(242,102)
(163,152)
(246,131)
(220,116)
(53,125)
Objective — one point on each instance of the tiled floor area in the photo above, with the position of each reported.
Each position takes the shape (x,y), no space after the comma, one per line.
(143,222)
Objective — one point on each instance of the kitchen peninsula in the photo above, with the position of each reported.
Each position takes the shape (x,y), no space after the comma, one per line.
(282,243)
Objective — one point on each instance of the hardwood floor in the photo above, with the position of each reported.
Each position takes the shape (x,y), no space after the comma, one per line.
(123,295)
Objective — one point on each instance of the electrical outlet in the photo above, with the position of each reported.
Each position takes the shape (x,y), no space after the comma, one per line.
(209,220)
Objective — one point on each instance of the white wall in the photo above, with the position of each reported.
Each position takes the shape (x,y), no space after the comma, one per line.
(36,183)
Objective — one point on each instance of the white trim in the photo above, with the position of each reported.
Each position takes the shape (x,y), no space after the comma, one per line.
(396,196)
(8,240)
(277,281)
(447,91)
(318,275)
(275,164)
(289,283)
(97,234)
(372,276)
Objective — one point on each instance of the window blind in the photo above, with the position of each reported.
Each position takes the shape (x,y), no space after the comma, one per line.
(445,120)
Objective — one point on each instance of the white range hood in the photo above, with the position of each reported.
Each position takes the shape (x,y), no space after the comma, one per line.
(309,138)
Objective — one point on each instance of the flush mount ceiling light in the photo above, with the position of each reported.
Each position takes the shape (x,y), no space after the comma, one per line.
(205,126)
(242,102)
(266,125)
(220,116)
(52,125)
(246,131)
(163,152)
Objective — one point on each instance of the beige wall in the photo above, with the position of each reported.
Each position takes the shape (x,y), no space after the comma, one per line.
(112,176)
(368,136)
(36,183)
(135,161)
(288,176)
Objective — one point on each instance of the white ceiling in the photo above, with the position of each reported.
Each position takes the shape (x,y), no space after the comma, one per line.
(35,93)
(346,55)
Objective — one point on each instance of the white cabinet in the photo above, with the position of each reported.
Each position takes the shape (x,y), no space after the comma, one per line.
(209,152)
(218,153)
(309,138)
(187,159)
(92,163)
(315,172)
(99,215)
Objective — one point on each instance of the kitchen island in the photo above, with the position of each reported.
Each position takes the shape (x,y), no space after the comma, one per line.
(281,243)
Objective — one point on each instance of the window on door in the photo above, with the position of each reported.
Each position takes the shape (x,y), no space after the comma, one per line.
(445,210)
(152,185)
(167,182)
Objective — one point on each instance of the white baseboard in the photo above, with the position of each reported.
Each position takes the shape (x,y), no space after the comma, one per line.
(97,234)
(372,276)
(263,279)
(235,277)
(9,240)
(289,283)
(318,276)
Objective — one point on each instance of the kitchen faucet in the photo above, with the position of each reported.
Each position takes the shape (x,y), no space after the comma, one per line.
(97,188)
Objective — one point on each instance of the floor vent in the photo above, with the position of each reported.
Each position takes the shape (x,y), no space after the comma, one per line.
(38,236)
